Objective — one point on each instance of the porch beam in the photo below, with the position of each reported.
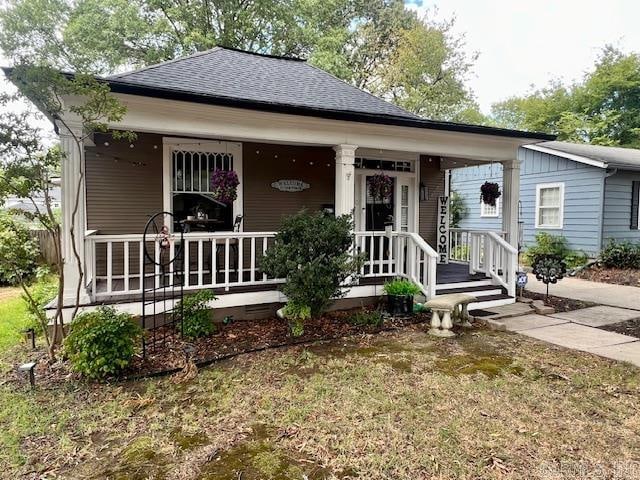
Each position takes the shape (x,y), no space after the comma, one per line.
(210,121)
(345,186)
(511,197)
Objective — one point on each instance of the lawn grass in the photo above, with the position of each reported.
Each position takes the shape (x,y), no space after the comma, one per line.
(399,405)
(13,317)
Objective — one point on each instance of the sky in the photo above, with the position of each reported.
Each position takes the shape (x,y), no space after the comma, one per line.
(528,42)
(523,43)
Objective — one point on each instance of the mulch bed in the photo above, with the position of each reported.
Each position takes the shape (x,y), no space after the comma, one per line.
(171,354)
(617,276)
(560,304)
(630,327)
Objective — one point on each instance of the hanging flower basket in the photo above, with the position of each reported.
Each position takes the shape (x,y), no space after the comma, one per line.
(489,193)
(380,186)
(224,186)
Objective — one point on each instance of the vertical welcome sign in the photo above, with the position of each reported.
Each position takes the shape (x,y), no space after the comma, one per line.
(443,229)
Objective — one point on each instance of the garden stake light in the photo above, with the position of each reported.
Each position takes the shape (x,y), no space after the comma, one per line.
(29,367)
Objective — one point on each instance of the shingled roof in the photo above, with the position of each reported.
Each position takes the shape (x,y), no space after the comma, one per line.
(235,78)
(245,76)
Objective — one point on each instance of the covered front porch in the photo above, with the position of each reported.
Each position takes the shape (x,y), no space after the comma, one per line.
(406,235)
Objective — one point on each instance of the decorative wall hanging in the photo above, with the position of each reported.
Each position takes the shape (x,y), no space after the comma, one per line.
(489,193)
(380,186)
(224,186)
(289,185)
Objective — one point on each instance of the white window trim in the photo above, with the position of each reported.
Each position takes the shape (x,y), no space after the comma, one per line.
(541,186)
(172,143)
(483,206)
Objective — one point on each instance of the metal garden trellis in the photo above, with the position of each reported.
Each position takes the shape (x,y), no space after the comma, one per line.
(164,252)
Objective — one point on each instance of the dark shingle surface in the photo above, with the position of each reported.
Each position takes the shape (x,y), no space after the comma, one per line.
(233,74)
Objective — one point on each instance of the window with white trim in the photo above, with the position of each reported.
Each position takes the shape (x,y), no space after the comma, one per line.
(549,205)
(491,211)
(191,186)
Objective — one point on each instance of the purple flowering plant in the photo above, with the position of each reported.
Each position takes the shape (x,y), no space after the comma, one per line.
(224,185)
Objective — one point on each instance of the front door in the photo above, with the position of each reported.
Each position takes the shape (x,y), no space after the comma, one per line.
(373,215)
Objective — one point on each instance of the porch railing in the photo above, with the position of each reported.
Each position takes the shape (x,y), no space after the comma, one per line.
(486,252)
(208,260)
(398,254)
(116,265)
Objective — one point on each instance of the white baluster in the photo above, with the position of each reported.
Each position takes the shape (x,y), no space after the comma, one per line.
(126,266)
(253,260)
(214,260)
(187,272)
(226,263)
(240,259)
(109,267)
(200,262)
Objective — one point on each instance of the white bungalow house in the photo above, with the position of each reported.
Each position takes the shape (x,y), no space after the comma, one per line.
(297,138)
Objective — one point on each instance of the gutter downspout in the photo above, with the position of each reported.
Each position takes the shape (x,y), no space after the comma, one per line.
(607,174)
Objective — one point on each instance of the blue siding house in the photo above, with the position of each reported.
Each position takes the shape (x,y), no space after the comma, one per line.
(588,194)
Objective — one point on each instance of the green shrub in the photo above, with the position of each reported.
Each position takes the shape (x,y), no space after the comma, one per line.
(296,315)
(312,252)
(101,343)
(363,318)
(621,255)
(18,252)
(196,314)
(401,287)
(547,244)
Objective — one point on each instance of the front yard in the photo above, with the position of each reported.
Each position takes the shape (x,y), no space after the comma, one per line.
(395,405)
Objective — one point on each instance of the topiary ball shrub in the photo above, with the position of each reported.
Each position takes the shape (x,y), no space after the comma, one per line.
(102,343)
(196,314)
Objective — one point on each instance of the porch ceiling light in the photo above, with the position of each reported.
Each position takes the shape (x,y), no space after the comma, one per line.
(424,192)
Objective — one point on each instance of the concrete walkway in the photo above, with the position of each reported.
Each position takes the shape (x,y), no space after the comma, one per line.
(576,330)
(603,293)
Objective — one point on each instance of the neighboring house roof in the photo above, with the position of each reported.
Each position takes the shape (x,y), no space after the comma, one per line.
(235,78)
(594,155)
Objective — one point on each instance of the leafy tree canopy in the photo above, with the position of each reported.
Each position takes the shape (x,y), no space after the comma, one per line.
(377,45)
(602,109)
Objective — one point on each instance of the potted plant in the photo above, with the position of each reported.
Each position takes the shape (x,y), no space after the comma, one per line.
(224,185)
(400,296)
(489,193)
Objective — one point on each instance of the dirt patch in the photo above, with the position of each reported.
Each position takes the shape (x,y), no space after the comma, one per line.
(560,304)
(630,327)
(617,276)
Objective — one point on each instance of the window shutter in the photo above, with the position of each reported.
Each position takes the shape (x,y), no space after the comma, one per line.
(635,200)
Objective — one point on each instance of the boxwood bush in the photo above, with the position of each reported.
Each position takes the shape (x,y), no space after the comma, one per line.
(621,255)
(102,343)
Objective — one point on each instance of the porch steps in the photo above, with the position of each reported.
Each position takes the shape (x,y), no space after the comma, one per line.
(488,294)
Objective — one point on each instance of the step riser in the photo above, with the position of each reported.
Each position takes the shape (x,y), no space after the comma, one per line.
(476,283)
(492,303)
(481,293)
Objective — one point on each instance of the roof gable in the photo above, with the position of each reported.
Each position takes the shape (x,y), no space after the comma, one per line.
(233,74)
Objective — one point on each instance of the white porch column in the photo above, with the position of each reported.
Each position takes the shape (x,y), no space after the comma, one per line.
(510,198)
(71,170)
(345,179)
